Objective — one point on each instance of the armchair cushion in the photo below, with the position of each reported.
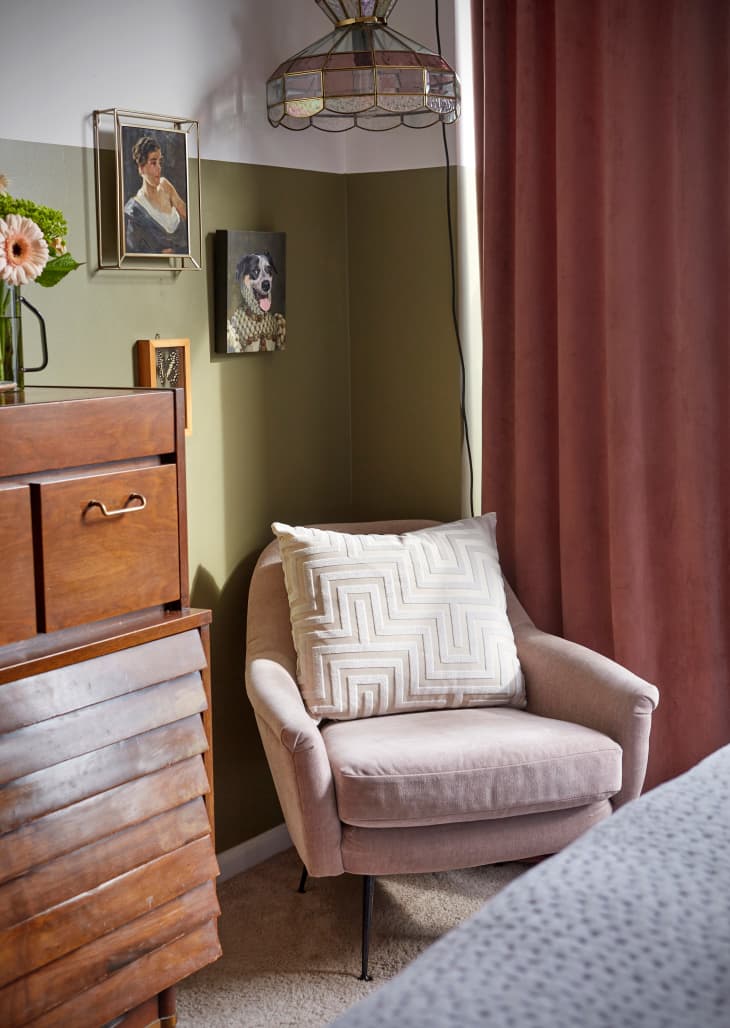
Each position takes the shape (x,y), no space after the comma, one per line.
(393,623)
(445,766)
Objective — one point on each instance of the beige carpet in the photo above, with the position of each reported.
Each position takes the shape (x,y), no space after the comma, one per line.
(292,960)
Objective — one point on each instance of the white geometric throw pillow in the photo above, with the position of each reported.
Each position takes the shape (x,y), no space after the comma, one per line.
(389,623)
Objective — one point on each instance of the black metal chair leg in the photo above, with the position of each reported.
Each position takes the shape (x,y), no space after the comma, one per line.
(368,890)
(303,879)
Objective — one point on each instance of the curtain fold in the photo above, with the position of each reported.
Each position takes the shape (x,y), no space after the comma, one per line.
(604,185)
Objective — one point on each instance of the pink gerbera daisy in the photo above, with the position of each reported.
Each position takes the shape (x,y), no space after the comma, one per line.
(23,250)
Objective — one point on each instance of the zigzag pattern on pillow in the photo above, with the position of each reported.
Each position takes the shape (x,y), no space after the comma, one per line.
(384,624)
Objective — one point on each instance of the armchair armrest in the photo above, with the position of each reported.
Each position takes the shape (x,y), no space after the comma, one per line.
(299,766)
(572,683)
(291,738)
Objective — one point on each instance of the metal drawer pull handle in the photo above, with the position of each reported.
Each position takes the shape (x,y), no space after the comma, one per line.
(123,510)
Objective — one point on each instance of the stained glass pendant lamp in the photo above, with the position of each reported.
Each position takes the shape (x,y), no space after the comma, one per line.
(363,74)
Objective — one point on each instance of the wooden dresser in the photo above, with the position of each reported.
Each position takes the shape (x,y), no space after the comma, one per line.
(107,857)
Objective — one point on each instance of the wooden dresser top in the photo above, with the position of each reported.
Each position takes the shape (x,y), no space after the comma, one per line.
(58,394)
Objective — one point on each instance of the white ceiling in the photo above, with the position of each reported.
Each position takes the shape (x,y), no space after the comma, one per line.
(206,61)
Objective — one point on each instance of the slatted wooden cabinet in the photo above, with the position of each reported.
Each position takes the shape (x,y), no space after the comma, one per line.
(107,858)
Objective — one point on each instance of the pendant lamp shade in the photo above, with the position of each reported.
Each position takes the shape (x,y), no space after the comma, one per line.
(363,74)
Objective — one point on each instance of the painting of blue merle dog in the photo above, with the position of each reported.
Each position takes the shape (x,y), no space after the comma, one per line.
(250,314)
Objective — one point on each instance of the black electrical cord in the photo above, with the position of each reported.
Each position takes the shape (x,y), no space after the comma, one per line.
(454,315)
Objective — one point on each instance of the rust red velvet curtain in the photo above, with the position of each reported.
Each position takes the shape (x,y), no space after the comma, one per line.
(604,181)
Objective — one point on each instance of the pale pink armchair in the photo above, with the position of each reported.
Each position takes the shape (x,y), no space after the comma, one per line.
(444,789)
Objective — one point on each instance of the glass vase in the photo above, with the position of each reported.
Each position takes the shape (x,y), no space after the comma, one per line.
(11,338)
(12,369)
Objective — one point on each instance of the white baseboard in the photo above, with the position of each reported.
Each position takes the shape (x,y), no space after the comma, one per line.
(251,852)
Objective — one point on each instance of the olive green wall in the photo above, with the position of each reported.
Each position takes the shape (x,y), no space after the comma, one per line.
(405,367)
(271,432)
(367,286)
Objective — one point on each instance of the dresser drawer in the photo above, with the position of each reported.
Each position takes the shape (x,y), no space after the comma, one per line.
(17,593)
(109,545)
(64,428)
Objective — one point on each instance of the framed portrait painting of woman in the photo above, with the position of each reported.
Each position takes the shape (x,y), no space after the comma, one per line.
(155,191)
(153,185)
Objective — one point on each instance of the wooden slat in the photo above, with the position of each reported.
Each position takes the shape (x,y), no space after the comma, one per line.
(73,780)
(83,869)
(91,964)
(134,983)
(47,695)
(48,936)
(82,731)
(99,816)
(86,642)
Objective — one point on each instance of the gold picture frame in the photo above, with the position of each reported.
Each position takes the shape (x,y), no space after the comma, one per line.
(165,364)
(133,233)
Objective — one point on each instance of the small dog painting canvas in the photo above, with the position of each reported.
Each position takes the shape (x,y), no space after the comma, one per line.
(250,285)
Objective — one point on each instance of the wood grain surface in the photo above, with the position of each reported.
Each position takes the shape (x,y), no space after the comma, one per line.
(17,591)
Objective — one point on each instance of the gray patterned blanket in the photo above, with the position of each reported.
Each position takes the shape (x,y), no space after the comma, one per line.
(629,927)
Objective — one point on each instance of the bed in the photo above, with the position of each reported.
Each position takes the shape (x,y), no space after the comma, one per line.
(628,926)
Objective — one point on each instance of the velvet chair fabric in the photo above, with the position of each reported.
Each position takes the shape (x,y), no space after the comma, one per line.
(604,183)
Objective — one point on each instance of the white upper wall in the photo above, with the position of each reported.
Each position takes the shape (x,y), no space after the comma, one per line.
(202,59)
